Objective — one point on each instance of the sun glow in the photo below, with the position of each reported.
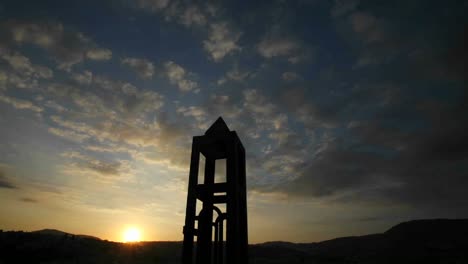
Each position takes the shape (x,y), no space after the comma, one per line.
(132,234)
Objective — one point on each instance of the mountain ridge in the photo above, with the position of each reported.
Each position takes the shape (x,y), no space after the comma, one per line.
(417,241)
(415,225)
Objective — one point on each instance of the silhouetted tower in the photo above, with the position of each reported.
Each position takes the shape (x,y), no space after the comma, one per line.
(217,143)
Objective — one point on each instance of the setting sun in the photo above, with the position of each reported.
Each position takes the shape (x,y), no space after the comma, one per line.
(132,234)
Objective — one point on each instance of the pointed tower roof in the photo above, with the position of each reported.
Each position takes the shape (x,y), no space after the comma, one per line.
(218,127)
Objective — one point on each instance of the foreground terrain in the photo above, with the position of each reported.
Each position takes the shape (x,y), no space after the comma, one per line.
(420,241)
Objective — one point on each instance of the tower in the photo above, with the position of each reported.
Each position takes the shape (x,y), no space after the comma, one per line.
(217,143)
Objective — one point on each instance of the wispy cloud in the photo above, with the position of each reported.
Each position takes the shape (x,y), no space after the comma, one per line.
(20,103)
(368,26)
(192,15)
(235,74)
(290,76)
(275,43)
(343,7)
(99,54)
(143,67)
(68,134)
(85,78)
(179,76)
(67,47)
(222,41)
(153,5)
(84,164)
(23,65)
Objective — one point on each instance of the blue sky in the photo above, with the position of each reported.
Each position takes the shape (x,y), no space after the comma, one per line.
(353,113)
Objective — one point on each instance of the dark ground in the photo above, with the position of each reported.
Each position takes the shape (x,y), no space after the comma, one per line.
(421,241)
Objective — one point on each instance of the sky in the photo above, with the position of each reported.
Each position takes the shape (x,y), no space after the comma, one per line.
(353,113)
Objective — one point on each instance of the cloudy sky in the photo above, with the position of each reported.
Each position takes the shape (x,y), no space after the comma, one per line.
(353,113)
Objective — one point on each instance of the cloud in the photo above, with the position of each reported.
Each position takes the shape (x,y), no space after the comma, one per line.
(23,65)
(178,75)
(193,111)
(83,78)
(257,103)
(222,105)
(14,80)
(99,54)
(114,131)
(5,183)
(270,47)
(441,63)
(200,117)
(20,103)
(143,67)
(104,168)
(276,43)
(222,38)
(68,134)
(28,200)
(192,15)
(108,112)
(54,105)
(309,112)
(366,59)
(99,167)
(378,163)
(290,76)
(125,98)
(343,7)
(237,75)
(222,41)
(234,74)
(333,171)
(368,26)
(152,5)
(125,128)
(264,119)
(3,80)
(185,13)
(66,46)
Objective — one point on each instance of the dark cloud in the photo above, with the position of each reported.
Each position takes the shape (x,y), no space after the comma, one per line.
(445,62)
(335,170)
(28,200)
(392,138)
(5,182)
(66,46)
(104,168)
(89,163)
(425,167)
(143,67)
(457,56)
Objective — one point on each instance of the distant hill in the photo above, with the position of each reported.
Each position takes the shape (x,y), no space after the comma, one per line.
(55,232)
(419,241)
